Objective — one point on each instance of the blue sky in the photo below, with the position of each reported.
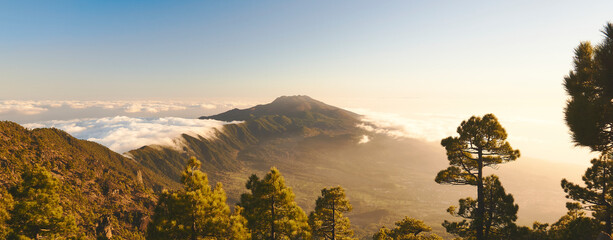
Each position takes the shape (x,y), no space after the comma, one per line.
(201,49)
(416,59)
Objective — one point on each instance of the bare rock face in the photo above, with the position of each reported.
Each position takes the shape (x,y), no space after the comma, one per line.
(105,229)
(139,177)
(603,236)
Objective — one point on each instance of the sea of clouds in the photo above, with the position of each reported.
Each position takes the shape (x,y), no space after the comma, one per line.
(429,127)
(31,107)
(122,133)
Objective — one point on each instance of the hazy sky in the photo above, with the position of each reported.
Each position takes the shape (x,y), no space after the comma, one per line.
(431,62)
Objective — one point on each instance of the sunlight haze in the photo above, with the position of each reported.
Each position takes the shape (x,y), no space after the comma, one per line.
(405,57)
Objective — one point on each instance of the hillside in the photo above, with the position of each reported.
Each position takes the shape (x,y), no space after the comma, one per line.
(97,182)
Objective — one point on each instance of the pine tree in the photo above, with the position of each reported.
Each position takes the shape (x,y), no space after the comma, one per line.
(407,229)
(170,218)
(499,208)
(196,211)
(270,209)
(482,143)
(597,194)
(574,225)
(589,115)
(6,205)
(37,212)
(327,220)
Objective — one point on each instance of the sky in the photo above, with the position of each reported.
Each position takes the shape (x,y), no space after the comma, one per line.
(418,66)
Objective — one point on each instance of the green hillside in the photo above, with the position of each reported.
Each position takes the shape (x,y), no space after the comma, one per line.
(97,183)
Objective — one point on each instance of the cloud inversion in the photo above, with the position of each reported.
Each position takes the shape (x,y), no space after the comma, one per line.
(122,133)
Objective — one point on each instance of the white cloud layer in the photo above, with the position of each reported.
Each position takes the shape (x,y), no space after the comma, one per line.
(22,107)
(428,127)
(36,107)
(122,134)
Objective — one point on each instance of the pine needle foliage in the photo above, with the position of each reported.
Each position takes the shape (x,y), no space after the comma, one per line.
(327,220)
(196,211)
(481,143)
(271,211)
(407,229)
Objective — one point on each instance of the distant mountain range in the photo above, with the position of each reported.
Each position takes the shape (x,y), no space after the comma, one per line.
(313,144)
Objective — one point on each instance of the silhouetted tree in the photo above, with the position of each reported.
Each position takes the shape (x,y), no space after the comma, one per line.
(406,229)
(589,115)
(589,111)
(574,225)
(196,211)
(482,143)
(270,209)
(597,193)
(327,220)
(499,208)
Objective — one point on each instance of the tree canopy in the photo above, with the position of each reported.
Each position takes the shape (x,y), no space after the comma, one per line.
(196,211)
(38,211)
(589,111)
(327,220)
(406,229)
(271,211)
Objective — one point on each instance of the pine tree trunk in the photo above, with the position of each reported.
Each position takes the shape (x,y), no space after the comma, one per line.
(272,218)
(487,222)
(193,223)
(605,176)
(333,222)
(480,200)
(607,227)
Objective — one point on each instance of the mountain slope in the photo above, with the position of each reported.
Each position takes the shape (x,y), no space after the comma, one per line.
(97,182)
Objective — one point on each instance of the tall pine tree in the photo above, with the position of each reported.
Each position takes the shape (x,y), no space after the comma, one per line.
(327,220)
(589,115)
(482,143)
(196,211)
(271,211)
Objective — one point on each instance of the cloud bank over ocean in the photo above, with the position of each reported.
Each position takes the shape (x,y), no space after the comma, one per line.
(122,133)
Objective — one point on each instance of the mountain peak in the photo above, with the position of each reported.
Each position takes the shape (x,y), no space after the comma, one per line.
(295,98)
(296,106)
